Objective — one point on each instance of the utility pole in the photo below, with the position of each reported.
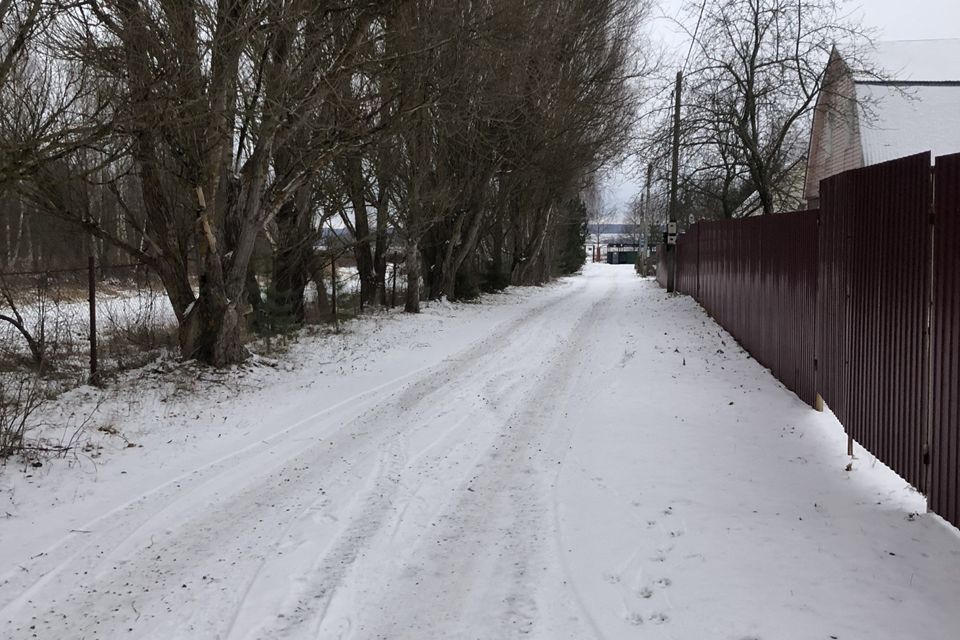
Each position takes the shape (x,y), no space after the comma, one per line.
(646,218)
(674,185)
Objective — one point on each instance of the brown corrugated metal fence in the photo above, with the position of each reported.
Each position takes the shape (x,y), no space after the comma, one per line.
(688,255)
(757,277)
(945,437)
(874,248)
(730,276)
(789,298)
(837,303)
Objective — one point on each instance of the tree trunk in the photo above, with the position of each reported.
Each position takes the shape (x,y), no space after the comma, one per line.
(524,272)
(380,253)
(317,266)
(457,253)
(213,327)
(353,176)
(412,265)
(448,268)
(212,331)
(293,254)
(496,262)
(766,199)
(33,249)
(210,326)
(14,257)
(252,291)
(289,283)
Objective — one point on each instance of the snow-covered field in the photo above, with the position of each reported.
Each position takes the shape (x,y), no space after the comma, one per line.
(591,459)
(119,310)
(66,319)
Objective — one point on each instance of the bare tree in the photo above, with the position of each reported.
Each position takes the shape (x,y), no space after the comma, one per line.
(188,134)
(756,70)
(211,97)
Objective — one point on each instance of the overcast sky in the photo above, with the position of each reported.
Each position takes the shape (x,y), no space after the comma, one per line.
(895,20)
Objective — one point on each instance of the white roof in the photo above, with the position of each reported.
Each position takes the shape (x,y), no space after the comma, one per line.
(902,121)
(915,60)
(899,118)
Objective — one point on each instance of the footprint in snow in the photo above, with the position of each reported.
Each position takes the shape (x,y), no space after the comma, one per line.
(659,618)
(664,582)
(646,593)
(634,618)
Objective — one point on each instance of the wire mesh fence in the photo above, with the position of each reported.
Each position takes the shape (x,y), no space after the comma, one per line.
(76,323)
(64,321)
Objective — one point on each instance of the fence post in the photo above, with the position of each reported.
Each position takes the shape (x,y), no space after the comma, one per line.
(92,287)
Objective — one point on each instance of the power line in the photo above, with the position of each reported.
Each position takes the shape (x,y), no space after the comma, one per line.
(696,31)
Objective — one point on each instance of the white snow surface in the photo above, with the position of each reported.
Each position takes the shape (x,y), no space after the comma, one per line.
(591,459)
(69,320)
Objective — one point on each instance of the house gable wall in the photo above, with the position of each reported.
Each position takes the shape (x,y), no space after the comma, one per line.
(835,144)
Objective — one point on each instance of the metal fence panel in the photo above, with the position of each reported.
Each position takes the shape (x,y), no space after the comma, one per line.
(837,196)
(945,437)
(688,257)
(758,278)
(872,301)
(789,266)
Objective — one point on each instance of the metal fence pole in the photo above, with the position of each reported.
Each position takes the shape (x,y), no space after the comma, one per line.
(92,287)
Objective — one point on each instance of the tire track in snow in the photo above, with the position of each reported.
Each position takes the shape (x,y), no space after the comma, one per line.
(170,501)
(309,603)
(481,560)
(480,362)
(234,458)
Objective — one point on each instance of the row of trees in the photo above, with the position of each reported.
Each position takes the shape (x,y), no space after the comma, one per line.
(187,133)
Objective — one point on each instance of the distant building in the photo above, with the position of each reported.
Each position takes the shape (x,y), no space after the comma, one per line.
(911,105)
(622,253)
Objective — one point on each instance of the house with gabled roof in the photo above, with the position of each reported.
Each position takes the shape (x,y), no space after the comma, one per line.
(908,103)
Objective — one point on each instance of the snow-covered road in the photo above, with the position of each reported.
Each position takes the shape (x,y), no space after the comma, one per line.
(588,460)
